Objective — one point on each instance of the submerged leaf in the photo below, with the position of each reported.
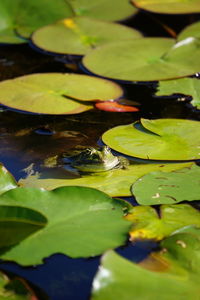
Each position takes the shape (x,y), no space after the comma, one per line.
(56,93)
(173,272)
(150,224)
(81,222)
(166,188)
(160,139)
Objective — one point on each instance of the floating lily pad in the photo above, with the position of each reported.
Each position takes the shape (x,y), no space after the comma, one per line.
(172,273)
(7,181)
(81,222)
(173,187)
(169,6)
(109,10)
(24,16)
(161,139)
(56,93)
(78,35)
(150,224)
(185,86)
(146,59)
(116,182)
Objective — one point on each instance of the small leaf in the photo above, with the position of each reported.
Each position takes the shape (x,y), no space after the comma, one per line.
(147,224)
(166,188)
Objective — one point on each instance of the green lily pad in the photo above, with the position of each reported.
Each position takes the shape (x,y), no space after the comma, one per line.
(7,181)
(146,59)
(81,222)
(109,10)
(173,272)
(116,182)
(166,188)
(78,35)
(161,139)
(169,6)
(185,86)
(147,224)
(26,16)
(56,93)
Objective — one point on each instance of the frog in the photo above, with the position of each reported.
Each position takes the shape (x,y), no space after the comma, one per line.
(92,160)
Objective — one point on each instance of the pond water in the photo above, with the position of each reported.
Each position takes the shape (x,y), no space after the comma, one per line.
(28,139)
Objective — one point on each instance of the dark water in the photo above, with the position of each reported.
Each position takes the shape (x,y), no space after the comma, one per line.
(28,139)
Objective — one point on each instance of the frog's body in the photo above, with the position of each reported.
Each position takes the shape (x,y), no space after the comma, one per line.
(94,160)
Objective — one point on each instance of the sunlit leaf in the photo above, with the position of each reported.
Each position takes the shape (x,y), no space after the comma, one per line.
(169,6)
(116,182)
(78,35)
(56,93)
(81,222)
(164,188)
(185,86)
(151,224)
(7,181)
(172,273)
(24,16)
(145,59)
(160,139)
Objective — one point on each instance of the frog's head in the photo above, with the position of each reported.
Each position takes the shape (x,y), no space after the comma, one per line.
(95,155)
(95,160)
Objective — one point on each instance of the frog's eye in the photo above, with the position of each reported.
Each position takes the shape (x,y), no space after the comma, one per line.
(88,151)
